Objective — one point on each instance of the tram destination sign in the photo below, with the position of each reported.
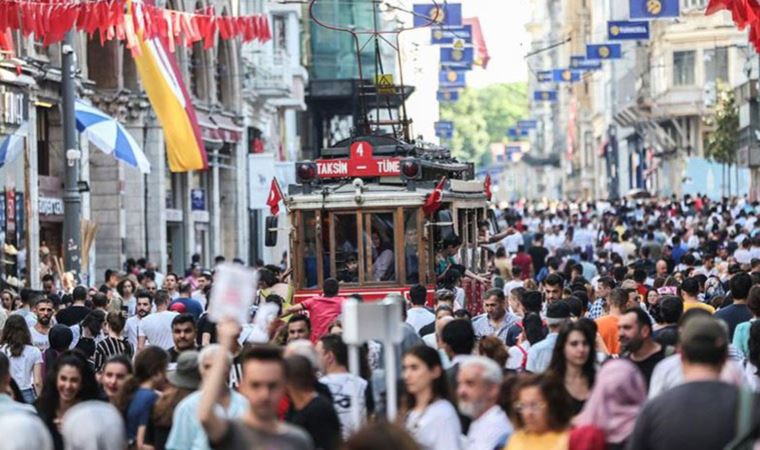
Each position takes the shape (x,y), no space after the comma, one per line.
(360,163)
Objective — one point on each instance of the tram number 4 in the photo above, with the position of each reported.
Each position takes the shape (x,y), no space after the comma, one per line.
(360,164)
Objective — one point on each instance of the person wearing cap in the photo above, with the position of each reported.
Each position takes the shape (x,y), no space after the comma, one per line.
(183,381)
(540,354)
(699,401)
(690,295)
(186,432)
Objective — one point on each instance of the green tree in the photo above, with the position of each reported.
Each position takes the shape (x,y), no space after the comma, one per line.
(722,141)
(482,116)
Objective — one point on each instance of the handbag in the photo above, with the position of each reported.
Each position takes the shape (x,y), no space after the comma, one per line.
(746,428)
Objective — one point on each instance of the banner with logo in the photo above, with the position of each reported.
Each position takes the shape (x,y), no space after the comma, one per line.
(621,30)
(446,35)
(653,9)
(578,62)
(545,96)
(544,76)
(565,76)
(447,96)
(449,14)
(457,57)
(444,129)
(451,78)
(604,51)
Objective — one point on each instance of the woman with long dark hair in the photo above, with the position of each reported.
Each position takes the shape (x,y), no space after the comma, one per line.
(430,416)
(533,330)
(139,393)
(25,359)
(70,381)
(573,361)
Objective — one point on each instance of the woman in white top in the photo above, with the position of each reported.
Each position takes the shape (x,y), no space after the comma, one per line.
(430,417)
(25,359)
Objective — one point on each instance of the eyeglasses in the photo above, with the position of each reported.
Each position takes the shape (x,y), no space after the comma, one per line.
(529,407)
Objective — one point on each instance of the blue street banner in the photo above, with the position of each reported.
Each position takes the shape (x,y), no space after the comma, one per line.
(449,78)
(447,96)
(622,30)
(544,76)
(604,51)
(565,75)
(527,124)
(545,96)
(578,62)
(449,14)
(457,57)
(653,9)
(444,129)
(513,132)
(447,35)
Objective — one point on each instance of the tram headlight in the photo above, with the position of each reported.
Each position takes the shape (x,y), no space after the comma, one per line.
(306,172)
(411,169)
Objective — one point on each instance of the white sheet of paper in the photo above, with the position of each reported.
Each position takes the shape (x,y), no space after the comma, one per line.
(232,293)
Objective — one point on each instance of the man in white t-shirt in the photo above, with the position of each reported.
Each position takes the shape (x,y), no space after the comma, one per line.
(142,309)
(43,309)
(418,316)
(349,392)
(156,329)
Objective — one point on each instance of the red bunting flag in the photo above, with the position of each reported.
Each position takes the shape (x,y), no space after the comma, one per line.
(50,21)
(487,186)
(433,199)
(274,198)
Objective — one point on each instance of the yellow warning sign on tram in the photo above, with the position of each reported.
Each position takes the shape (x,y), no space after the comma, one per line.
(384,83)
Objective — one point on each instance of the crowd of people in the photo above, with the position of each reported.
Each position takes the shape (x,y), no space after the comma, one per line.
(625,325)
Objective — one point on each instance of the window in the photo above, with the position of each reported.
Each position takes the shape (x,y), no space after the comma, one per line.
(346,247)
(196,71)
(309,230)
(43,142)
(683,68)
(716,64)
(280,37)
(380,261)
(411,246)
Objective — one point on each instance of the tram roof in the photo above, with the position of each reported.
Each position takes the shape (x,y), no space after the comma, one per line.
(468,193)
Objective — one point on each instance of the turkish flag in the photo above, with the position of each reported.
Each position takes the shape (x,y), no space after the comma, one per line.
(274,198)
(718,5)
(433,200)
(487,186)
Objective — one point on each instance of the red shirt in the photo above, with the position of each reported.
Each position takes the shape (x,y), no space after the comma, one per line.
(523,261)
(322,311)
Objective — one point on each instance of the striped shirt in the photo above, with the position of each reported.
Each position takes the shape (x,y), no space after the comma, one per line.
(108,348)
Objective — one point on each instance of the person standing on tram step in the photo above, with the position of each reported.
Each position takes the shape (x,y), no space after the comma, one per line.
(322,309)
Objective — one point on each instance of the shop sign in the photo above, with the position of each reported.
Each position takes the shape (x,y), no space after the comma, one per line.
(50,206)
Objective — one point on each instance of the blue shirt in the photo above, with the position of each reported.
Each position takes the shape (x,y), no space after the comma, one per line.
(192,306)
(540,354)
(138,412)
(482,326)
(187,432)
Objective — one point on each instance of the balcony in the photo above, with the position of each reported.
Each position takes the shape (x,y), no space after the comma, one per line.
(275,80)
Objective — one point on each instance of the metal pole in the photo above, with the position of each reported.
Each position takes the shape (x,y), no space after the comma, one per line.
(353,367)
(391,395)
(72,199)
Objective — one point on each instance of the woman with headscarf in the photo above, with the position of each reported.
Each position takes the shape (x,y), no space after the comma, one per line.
(609,415)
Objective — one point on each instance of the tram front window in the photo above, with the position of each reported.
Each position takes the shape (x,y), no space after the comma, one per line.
(381,266)
(411,247)
(346,248)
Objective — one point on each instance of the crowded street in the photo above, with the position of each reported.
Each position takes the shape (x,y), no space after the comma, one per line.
(380,225)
